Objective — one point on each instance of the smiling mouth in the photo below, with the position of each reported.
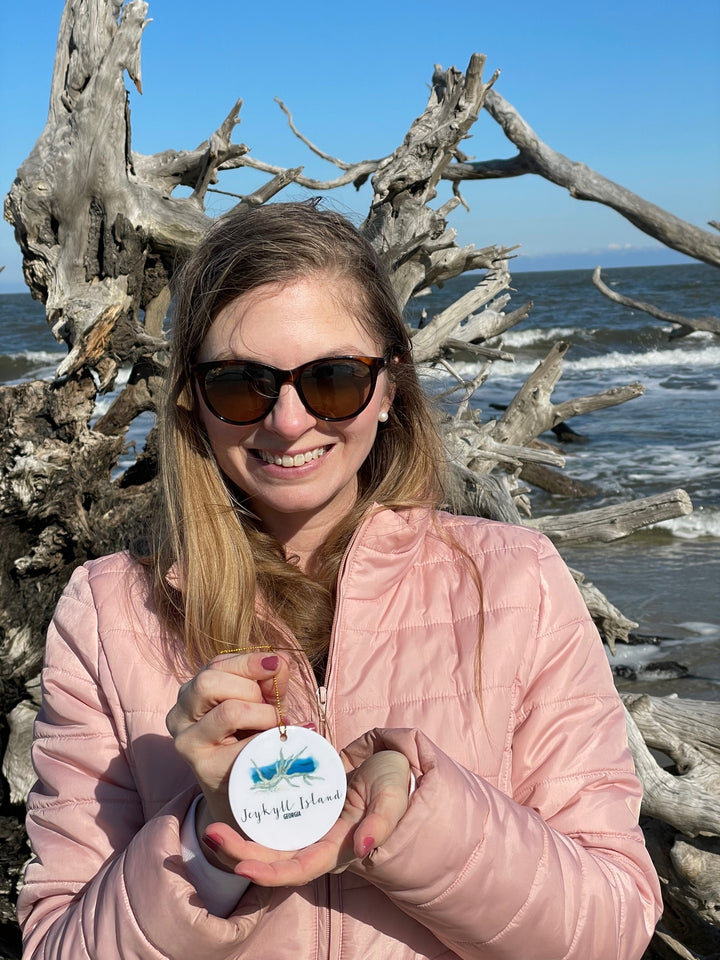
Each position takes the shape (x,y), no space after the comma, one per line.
(290,460)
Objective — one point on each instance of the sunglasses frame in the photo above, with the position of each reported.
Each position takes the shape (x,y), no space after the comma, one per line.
(199,372)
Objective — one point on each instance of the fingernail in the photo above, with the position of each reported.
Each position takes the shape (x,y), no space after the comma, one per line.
(212,841)
(308,726)
(367,845)
(270,663)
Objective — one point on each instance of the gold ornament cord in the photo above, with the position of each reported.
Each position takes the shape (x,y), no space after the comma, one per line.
(281,723)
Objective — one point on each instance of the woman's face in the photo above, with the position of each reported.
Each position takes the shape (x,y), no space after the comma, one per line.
(285,325)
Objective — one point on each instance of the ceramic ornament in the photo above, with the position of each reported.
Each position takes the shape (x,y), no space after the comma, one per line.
(286,793)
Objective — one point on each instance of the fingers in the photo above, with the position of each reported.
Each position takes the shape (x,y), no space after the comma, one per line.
(267,669)
(236,684)
(227,702)
(372,832)
(376,801)
(251,670)
(306,865)
(279,868)
(378,790)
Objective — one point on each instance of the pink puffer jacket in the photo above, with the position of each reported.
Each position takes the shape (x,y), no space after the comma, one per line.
(521,839)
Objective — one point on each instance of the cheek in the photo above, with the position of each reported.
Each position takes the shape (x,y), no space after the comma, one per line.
(220,434)
(364,429)
(225,439)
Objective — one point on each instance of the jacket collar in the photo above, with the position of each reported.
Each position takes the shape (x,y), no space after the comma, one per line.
(384,547)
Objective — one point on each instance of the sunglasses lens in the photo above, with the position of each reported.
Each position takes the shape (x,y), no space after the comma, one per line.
(336,389)
(242,393)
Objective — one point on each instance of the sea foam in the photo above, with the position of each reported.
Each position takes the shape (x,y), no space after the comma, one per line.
(703,522)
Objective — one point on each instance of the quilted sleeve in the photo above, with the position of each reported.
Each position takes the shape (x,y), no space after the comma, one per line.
(99,872)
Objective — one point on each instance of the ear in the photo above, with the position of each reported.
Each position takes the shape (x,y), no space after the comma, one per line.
(389,396)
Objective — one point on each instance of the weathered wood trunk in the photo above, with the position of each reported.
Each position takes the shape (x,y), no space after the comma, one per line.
(100,232)
(681,804)
(683,325)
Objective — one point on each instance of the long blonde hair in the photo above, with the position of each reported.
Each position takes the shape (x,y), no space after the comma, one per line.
(220,556)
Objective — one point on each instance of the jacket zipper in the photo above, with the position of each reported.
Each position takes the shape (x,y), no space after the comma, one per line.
(321,694)
(323,689)
(333,903)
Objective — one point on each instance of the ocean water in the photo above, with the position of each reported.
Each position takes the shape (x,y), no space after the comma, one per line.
(666,577)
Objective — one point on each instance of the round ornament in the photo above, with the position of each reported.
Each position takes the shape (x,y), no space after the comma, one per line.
(286,793)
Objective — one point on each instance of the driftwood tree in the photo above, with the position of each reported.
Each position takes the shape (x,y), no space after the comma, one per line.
(581,182)
(101,234)
(683,325)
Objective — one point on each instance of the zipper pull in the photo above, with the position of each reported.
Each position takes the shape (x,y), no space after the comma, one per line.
(321,694)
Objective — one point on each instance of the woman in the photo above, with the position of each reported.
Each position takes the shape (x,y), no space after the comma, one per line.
(301,563)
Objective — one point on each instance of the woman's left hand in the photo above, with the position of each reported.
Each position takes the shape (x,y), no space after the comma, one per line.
(377,797)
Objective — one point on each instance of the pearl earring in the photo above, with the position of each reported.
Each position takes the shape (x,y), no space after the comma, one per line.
(383,417)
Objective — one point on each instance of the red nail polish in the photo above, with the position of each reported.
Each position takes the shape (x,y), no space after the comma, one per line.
(270,663)
(367,845)
(212,841)
(309,725)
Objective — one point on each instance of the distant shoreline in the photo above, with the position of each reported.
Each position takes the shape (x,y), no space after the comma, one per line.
(607,259)
(543,263)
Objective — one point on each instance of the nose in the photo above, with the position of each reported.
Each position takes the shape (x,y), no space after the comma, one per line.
(289,418)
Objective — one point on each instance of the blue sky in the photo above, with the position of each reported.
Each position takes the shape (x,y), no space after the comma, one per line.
(630,88)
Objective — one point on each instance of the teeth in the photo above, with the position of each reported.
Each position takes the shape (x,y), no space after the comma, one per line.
(298,460)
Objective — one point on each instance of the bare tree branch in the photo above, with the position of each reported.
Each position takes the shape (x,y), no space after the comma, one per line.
(428,342)
(531,412)
(415,239)
(583,184)
(502,169)
(360,170)
(689,802)
(341,164)
(686,324)
(612,624)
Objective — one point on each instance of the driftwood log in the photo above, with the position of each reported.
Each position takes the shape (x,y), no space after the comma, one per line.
(683,325)
(681,804)
(101,232)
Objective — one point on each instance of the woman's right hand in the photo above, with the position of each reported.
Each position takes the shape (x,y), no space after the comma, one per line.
(217,712)
(377,798)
